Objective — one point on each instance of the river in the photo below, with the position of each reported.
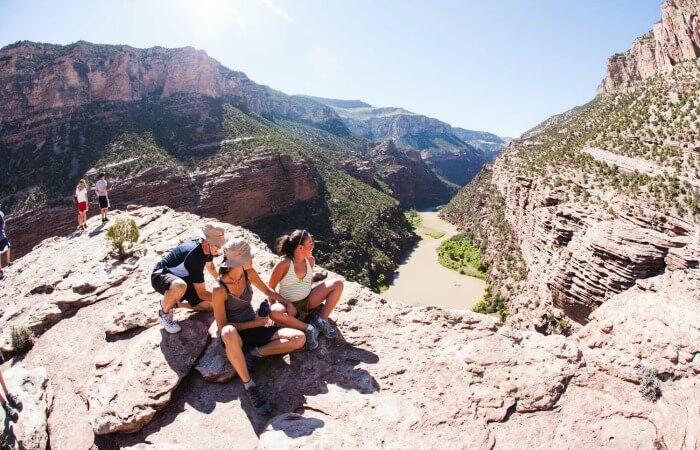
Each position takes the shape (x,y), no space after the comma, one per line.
(422,280)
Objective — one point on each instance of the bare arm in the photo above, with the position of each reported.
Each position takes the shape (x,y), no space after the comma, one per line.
(202,291)
(211,269)
(265,289)
(218,299)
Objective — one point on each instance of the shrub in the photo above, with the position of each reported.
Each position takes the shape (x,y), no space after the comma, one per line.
(122,235)
(22,339)
(461,254)
(413,218)
(492,304)
(649,382)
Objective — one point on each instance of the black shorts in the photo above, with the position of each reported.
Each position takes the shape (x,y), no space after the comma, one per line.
(161,282)
(103,201)
(255,337)
(4,244)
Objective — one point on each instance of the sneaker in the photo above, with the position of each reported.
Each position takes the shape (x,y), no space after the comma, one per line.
(257,399)
(311,338)
(168,322)
(13,400)
(10,411)
(326,328)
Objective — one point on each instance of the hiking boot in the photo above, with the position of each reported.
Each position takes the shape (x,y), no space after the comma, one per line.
(13,400)
(325,328)
(257,399)
(168,322)
(10,412)
(311,338)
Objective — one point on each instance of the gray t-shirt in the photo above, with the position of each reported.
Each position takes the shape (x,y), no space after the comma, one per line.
(239,309)
(101,187)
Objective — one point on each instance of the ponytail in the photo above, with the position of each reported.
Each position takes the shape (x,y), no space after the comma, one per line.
(286,244)
(282,246)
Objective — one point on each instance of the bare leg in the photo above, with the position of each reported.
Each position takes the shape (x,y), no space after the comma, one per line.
(173,295)
(9,258)
(286,340)
(278,313)
(234,351)
(330,291)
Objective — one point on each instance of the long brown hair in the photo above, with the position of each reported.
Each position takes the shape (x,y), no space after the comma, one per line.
(286,244)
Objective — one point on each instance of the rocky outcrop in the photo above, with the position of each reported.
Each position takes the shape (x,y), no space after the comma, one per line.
(409,178)
(674,39)
(398,376)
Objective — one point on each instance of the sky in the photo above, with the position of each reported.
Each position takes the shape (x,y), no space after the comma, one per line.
(501,65)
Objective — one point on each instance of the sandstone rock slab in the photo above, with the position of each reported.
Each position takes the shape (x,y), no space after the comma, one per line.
(126,390)
(30,431)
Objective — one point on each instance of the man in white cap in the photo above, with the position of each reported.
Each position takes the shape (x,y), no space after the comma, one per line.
(180,274)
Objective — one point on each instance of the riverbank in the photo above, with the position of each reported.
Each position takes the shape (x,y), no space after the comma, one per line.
(422,280)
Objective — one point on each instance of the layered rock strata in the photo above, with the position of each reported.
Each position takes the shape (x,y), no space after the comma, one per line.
(398,376)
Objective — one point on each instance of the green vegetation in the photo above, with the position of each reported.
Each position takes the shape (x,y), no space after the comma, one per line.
(435,234)
(459,253)
(413,218)
(122,235)
(22,339)
(492,304)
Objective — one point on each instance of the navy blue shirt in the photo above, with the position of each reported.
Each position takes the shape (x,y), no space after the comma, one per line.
(186,261)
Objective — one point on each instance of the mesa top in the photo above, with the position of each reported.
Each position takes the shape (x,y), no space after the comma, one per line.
(186,261)
(293,288)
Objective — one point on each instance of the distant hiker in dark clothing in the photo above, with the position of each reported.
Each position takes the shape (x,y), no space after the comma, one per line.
(10,401)
(180,274)
(5,246)
(102,196)
(81,200)
(247,336)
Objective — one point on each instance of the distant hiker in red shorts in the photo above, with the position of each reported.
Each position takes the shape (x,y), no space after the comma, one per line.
(81,200)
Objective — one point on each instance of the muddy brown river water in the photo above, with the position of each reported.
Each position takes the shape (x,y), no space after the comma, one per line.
(421,280)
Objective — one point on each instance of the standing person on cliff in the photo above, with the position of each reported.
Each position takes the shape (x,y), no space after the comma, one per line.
(5,246)
(180,274)
(102,196)
(81,200)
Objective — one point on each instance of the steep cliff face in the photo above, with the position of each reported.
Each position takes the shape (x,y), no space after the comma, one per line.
(597,199)
(410,179)
(174,127)
(674,39)
(102,373)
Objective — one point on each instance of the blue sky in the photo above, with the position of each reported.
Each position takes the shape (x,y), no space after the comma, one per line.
(499,65)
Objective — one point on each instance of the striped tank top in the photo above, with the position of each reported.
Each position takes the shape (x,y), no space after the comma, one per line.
(293,288)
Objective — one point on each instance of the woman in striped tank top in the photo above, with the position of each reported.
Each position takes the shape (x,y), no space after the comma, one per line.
(294,275)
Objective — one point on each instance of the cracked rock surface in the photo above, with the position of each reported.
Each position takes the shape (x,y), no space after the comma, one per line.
(397,377)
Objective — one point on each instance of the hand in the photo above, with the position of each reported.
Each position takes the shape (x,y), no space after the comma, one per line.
(264,321)
(277,297)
